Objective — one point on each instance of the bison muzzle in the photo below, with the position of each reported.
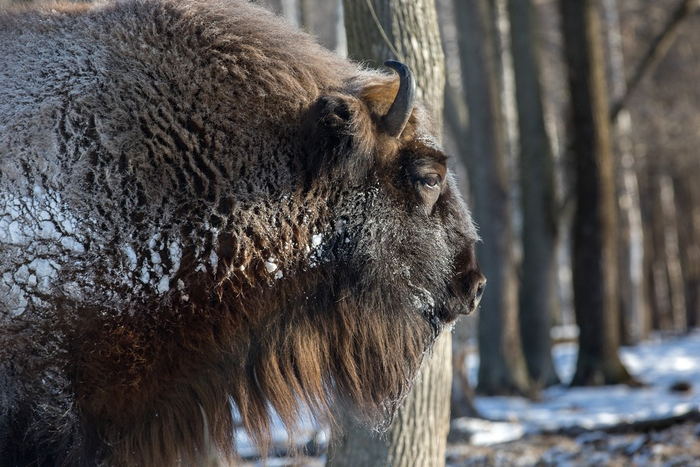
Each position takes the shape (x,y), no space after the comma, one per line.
(203,212)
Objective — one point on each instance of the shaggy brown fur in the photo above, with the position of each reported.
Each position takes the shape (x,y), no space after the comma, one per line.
(200,214)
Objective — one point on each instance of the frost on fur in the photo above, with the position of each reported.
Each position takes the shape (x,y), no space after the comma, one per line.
(202,212)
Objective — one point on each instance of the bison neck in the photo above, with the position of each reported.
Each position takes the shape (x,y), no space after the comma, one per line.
(180,374)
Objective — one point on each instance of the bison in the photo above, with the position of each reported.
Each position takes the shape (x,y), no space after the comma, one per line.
(204,212)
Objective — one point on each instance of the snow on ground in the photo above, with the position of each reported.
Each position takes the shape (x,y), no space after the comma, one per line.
(309,435)
(659,364)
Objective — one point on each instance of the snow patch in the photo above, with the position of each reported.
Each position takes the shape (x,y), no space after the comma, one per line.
(270,265)
(486,432)
(659,363)
(131,257)
(163,284)
(213,260)
(316,250)
(175,252)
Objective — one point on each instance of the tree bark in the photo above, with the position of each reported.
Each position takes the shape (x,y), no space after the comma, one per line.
(502,369)
(673,261)
(462,402)
(667,294)
(539,206)
(630,238)
(407,31)
(662,316)
(595,221)
(644,179)
(688,203)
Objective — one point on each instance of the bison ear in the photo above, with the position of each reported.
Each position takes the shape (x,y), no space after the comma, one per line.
(333,112)
(336,129)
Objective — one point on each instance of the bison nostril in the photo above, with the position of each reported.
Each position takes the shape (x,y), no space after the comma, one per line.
(477,289)
(480,291)
(481,285)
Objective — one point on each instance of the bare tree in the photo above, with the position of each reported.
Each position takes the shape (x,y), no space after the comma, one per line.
(664,108)
(671,244)
(657,50)
(656,255)
(539,204)
(595,221)
(407,31)
(688,203)
(633,308)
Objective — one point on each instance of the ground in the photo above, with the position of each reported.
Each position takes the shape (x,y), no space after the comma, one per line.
(675,446)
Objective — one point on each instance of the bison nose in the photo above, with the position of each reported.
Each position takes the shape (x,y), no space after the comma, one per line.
(477,292)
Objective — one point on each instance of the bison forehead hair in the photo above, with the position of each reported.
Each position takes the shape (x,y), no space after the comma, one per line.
(203,212)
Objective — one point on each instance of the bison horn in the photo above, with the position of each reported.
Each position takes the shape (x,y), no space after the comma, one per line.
(395,120)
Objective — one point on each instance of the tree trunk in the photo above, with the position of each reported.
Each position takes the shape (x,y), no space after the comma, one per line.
(630,237)
(688,203)
(667,290)
(539,236)
(662,316)
(644,179)
(503,369)
(503,66)
(462,403)
(406,31)
(595,221)
(673,261)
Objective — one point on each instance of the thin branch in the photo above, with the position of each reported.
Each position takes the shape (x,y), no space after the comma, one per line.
(657,51)
(383,33)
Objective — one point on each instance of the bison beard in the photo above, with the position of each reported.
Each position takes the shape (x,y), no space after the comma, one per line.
(202,211)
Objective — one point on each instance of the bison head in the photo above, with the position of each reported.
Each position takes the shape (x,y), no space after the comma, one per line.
(389,263)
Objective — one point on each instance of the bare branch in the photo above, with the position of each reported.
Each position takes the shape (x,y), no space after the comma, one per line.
(657,51)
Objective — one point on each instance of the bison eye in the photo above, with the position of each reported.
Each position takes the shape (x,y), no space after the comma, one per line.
(428,187)
(431,181)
